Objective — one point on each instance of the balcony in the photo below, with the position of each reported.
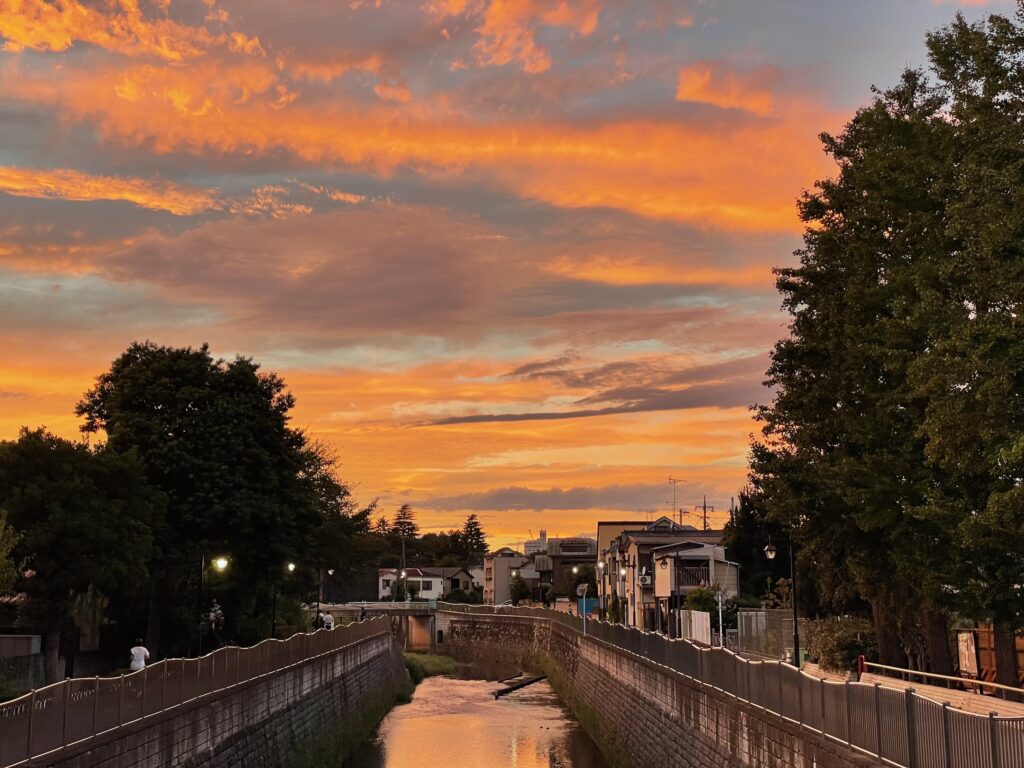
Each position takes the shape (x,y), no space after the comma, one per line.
(689,576)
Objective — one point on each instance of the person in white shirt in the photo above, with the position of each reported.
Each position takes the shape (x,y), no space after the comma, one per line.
(328,621)
(139,655)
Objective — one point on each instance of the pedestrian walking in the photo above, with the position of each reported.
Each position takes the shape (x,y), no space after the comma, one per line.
(318,622)
(362,613)
(328,621)
(139,655)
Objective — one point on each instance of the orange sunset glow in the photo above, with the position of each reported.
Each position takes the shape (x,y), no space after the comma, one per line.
(512,257)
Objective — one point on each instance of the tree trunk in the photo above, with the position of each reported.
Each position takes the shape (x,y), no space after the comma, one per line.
(936,629)
(1006,654)
(51,655)
(890,651)
(153,620)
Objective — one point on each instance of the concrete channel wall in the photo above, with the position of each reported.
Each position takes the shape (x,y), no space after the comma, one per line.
(259,723)
(641,713)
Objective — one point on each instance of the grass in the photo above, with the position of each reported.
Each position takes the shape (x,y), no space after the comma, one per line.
(424,665)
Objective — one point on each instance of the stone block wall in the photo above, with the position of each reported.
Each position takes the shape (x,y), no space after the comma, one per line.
(640,713)
(258,724)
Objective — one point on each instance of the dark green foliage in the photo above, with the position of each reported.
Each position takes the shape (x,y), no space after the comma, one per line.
(520,590)
(835,643)
(404,525)
(214,439)
(473,541)
(893,447)
(8,566)
(701,599)
(424,665)
(82,519)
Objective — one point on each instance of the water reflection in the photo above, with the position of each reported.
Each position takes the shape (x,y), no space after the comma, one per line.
(459,724)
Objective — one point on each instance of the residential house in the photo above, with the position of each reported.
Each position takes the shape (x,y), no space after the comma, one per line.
(628,572)
(555,565)
(683,567)
(429,583)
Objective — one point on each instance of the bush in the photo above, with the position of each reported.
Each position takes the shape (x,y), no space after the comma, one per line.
(701,599)
(835,643)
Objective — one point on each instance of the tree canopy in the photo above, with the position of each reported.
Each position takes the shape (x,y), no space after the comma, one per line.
(81,519)
(893,447)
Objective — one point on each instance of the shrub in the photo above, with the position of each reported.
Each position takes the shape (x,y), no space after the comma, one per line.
(835,643)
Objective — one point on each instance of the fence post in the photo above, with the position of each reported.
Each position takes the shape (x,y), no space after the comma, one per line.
(778,670)
(911,702)
(993,735)
(120,703)
(947,747)
(95,703)
(849,714)
(822,706)
(878,718)
(31,719)
(66,688)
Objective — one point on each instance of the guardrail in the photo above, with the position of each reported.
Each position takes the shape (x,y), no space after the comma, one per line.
(900,728)
(965,683)
(65,713)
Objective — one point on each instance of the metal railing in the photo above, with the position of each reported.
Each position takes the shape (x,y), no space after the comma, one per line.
(898,727)
(947,681)
(65,713)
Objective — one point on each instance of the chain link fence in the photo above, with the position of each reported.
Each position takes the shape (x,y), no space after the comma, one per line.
(65,713)
(898,727)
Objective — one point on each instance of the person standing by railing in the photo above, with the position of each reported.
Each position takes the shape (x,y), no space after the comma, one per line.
(139,655)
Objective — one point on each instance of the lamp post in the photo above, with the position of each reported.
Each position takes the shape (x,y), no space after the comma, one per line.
(219,563)
(600,574)
(622,591)
(273,616)
(770,553)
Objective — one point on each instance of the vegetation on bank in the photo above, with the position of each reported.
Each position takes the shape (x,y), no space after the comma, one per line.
(424,665)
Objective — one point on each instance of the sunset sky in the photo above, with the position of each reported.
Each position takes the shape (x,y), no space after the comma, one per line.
(511,256)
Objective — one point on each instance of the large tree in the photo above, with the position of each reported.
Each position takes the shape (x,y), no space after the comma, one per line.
(214,437)
(473,541)
(82,520)
(892,448)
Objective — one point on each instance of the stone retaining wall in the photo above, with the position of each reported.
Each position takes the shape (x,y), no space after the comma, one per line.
(259,724)
(640,713)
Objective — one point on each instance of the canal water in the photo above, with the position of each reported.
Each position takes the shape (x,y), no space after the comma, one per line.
(457,723)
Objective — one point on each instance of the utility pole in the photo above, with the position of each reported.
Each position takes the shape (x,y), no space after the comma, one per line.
(675,509)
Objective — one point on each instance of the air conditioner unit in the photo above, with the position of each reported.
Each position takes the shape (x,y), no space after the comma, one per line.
(644,580)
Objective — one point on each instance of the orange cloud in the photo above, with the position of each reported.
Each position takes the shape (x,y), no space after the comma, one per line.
(741,175)
(634,270)
(119,25)
(508,33)
(66,184)
(711,83)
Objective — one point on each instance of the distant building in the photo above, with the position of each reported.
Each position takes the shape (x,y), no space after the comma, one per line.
(536,546)
(628,577)
(498,567)
(555,565)
(430,583)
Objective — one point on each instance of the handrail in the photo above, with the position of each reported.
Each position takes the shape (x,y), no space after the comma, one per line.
(864,664)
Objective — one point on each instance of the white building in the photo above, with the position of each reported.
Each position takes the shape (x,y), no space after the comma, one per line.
(428,583)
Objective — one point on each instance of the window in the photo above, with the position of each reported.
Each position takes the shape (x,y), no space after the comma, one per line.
(428,586)
(387,583)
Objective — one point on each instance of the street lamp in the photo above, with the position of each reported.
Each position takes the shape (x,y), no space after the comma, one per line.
(770,553)
(273,616)
(220,563)
(604,600)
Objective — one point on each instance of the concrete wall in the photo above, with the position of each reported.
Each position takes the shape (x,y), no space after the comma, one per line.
(642,714)
(266,722)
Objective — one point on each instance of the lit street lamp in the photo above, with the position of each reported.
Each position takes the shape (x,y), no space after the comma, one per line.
(604,600)
(219,563)
(770,553)
(273,618)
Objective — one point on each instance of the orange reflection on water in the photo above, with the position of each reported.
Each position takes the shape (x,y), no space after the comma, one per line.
(458,724)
